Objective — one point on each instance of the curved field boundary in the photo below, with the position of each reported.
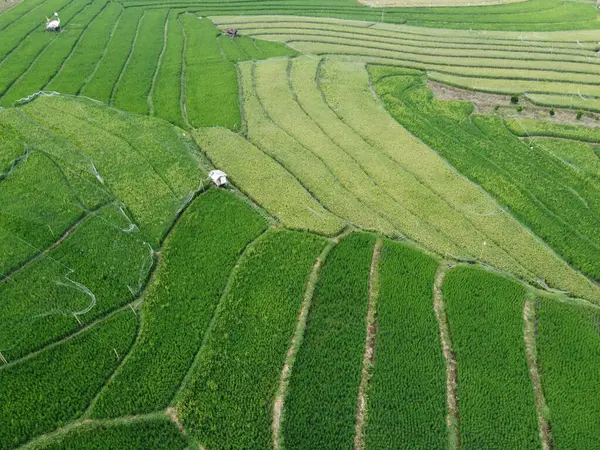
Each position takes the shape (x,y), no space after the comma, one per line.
(530,336)
(290,358)
(368,363)
(229,396)
(492,62)
(266,181)
(153,372)
(433,123)
(51,60)
(452,414)
(485,315)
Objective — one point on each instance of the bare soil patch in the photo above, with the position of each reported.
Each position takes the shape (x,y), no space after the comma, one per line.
(501,105)
(530,349)
(7,4)
(369,355)
(172,415)
(453,418)
(432,3)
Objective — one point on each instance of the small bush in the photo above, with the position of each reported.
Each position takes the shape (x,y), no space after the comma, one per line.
(514,99)
(552,112)
(519,108)
(579,114)
(496,108)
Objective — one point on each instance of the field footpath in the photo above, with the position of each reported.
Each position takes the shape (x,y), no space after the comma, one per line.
(370,342)
(453,417)
(278,405)
(530,332)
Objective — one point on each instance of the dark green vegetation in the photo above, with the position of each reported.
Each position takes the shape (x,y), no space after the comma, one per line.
(151,433)
(160,62)
(407,401)
(185,291)
(228,398)
(321,404)
(142,308)
(551,198)
(568,357)
(54,386)
(495,395)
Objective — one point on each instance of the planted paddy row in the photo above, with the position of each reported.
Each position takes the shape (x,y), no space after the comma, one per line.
(210,305)
(318,129)
(116,55)
(563,66)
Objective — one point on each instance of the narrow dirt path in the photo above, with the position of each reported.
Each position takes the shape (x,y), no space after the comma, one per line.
(453,418)
(369,355)
(294,346)
(172,415)
(531,351)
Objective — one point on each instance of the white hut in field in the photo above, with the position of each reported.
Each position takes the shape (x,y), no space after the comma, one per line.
(218,177)
(53,24)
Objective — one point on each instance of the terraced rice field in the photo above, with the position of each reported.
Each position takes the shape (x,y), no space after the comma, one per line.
(383,270)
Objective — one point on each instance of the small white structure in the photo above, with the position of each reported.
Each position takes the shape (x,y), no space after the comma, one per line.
(218,177)
(53,24)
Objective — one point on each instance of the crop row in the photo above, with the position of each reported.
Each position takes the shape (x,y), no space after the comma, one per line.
(54,387)
(528,127)
(527,182)
(84,59)
(298,160)
(211,82)
(228,399)
(568,347)
(18,62)
(565,101)
(323,390)
(563,39)
(153,433)
(95,270)
(485,313)
(50,61)
(110,66)
(134,85)
(375,43)
(28,28)
(407,399)
(166,95)
(133,164)
(266,181)
(185,291)
(26,201)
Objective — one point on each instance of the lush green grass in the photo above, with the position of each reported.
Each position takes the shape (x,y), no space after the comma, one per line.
(228,398)
(568,347)
(112,63)
(154,184)
(53,387)
(539,192)
(135,84)
(98,268)
(29,201)
(407,398)
(265,181)
(534,15)
(495,393)
(156,433)
(528,127)
(185,291)
(166,95)
(84,59)
(51,60)
(211,82)
(11,150)
(16,63)
(320,408)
